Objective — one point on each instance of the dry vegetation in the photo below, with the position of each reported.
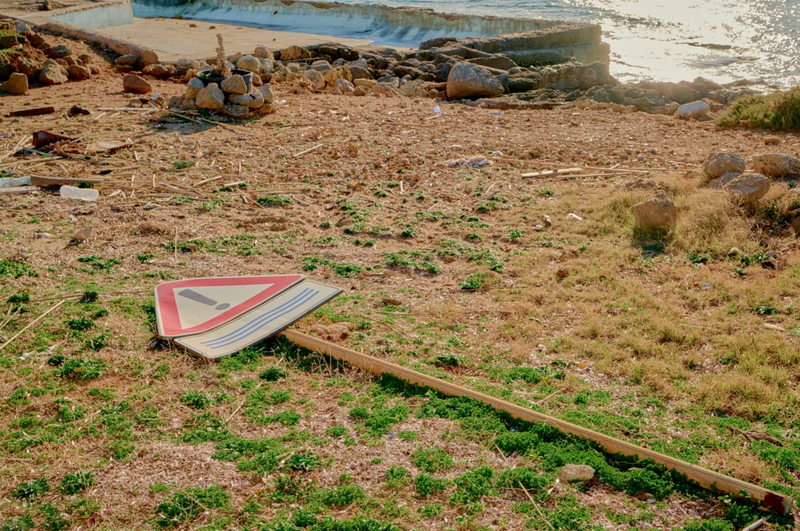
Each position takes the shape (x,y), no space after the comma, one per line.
(666,340)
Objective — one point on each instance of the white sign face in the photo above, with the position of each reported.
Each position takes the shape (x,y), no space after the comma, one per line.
(261,322)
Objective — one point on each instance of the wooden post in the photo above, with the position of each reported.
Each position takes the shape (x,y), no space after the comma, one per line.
(708,479)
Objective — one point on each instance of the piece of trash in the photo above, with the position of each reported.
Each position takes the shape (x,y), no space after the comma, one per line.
(437,110)
(77,110)
(705,286)
(496,113)
(44,138)
(8,182)
(46,182)
(106,146)
(83,234)
(215,317)
(574,216)
(84,194)
(771,326)
(547,220)
(474,162)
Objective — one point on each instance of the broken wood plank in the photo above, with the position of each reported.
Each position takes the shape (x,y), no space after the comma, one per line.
(14,190)
(33,112)
(549,173)
(38,180)
(106,146)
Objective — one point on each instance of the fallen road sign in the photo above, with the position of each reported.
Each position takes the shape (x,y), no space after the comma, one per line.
(262,322)
(197,305)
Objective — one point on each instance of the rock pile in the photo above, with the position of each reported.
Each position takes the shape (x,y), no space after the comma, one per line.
(232,97)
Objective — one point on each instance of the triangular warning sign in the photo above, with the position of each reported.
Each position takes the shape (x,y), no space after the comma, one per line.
(198,305)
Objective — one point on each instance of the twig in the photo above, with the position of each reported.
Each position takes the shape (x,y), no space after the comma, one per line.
(755,525)
(309,150)
(15,336)
(209,180)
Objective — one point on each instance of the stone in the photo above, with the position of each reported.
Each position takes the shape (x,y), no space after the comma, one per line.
(256,80)
(189,104)
(748,187)
(342,86)
(236,111)
(5,66)
(359,72)
(71,61)
(321,65)
(317,79)
(233,59)
(695,109)
(360,91)
(333,74)
(94,69)
(252,101)
(720,182)
(267,65)
(193,87)
(720,163)
(266,91)
(366,83)
(53,74)
(468,81)
(159,70)
(136,84)
(677,92)
(772,140)
(571,473)
(414,89)
(384,89)
(295,53)
(130,59)
(263,52)
(175,101)
(211,97)
(656,213)
(29,67)
(60,51)
(776,165)
(233,85)
(86,59)
(79,73)
(249,63)
(17,84)
(22,29)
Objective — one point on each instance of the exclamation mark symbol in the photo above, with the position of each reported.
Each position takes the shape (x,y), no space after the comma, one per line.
(202,299)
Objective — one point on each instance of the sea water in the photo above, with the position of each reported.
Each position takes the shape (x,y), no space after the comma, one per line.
(725,40)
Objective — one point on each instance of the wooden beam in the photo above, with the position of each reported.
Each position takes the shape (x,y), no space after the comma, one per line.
(33,112)
(38,180)
(708,479)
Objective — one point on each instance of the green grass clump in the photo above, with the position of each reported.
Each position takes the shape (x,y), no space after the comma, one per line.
(195,400)
(712,524)
(98,263)
(413,260)
(81,369)
(273,374)
(341,495)
(396,477)
(381,420)
(80,324)
(433,460)
(274,201)
(182,164)
(186,505)
(427,485)
(528,478)
(343,269)
(473,485)
(11,268)
(32,490)
(779,111)
(75,482)
(474,282)
(302,462)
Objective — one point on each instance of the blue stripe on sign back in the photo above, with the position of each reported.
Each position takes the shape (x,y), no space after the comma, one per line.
(263,320)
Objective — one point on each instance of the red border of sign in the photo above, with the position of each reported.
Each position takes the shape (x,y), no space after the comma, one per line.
(169,324)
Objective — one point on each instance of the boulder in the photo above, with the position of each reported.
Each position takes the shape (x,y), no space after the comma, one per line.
(60,51)
(86,59)
(366,83)
(332,75)
(776,165)
(28,67)
(193,87)
(210,97)
(252,101)
(136,84)
(720,163)
(384,89)
(69,60)
(159,70)
(263,52)
(748,187)
(499,62)
(468,81)
(656,213)
(256,80)
(720,182)
(236,111)
(414,89)
(317,79)
(233,85)
(17,84)
(359,72)
(266,91)
(580,77)
(79,73)
(94,69)
(571,473)
(677,92)
(295,53)
(342,86)
(130,59)
(695,109)
(5,66)
(321,65)
(360,91)
(53,74)
(249,63)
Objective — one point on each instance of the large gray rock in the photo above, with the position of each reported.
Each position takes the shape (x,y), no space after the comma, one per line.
(29,67)
(236,111)
(60,51)
(316,79)
(192,88)
(159,70)
(263,52)
(234,85)
(17,84)
(696,109)
(53,74)
(266,91)
(469,81)
(655,213)
(295,53)
(249,63)
(79,73)
(677,92)
(571,473)
(253,101)
(748,187)
(342,86)
(210,97)
(136,84)
(130,59)
(720,163)
(776,165)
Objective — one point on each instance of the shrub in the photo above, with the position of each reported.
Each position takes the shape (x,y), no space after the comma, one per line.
(434,460)
(342,495)
(427,485)
(396,476)
(195,400)
(80,324)
(75,482)
(273,374)
(186,505)
(526,477)
(778,112)
(473,485)
(81,369)
(31,491)
(712,524)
